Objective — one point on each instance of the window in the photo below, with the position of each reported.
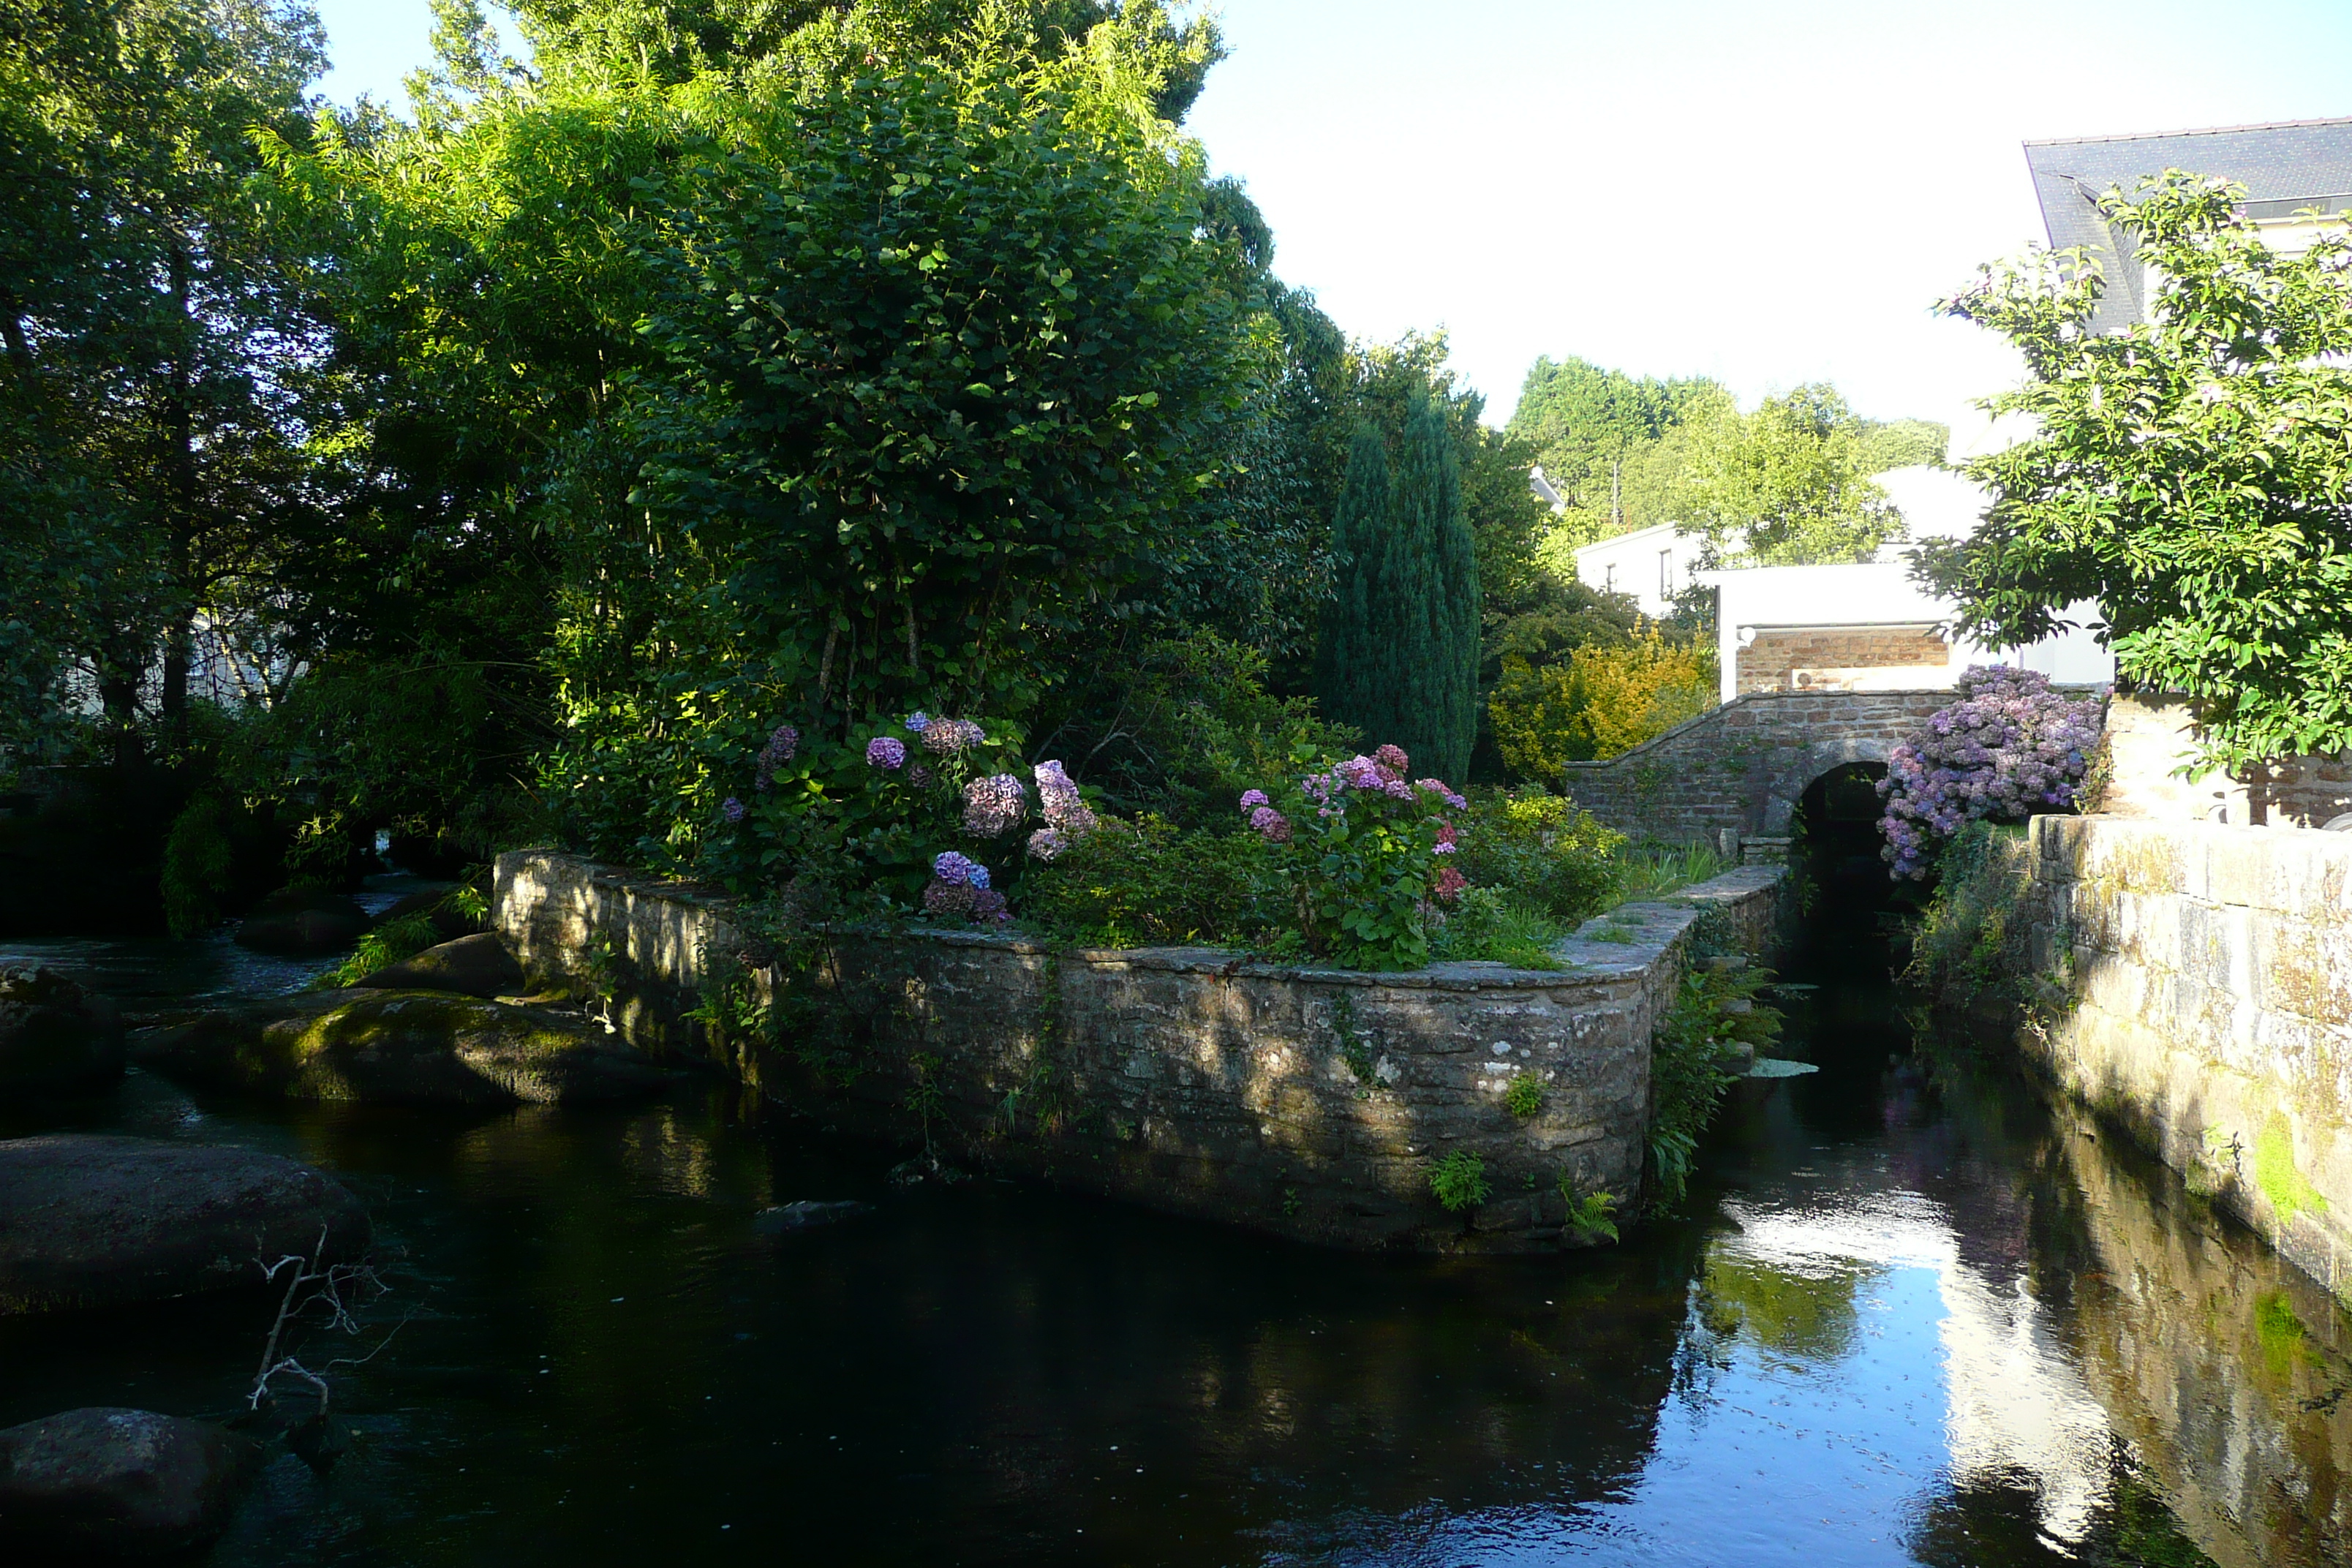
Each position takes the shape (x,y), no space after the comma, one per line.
(1608,579)
(1666,573)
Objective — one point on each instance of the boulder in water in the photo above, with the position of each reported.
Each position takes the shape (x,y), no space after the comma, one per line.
(302,923)
(107,1484)
(97,1220)
(476,965)
(402,1048)
(54,1035)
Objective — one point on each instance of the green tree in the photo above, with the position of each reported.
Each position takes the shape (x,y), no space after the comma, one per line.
(156,332)
(2190,474)
(1589,426)
(1902,443)
(1790,484)
(1402,643)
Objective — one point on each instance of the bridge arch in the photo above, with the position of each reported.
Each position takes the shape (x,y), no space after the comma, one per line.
(1746,765)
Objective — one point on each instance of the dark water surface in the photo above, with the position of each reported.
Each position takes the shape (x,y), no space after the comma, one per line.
(1917,1315)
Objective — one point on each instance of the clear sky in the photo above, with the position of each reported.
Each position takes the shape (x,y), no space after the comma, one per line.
(1765,194)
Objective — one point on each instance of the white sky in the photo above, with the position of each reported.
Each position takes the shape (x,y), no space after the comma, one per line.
(1765,194)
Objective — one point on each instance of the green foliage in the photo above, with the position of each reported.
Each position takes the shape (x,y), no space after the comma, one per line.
(1525,1097)
(1181,726)
(380,947)
(1968,945)
(1545,850)
(1400,657)
(1498,926)
(1366,856)
(1790,484)
(1591,1217)
(1151,884)
(1589,425)
(197,869)
(1902,444)
(1716,1010)
(2192,474)
(1600,702)
(1045,365)
(1459,1180)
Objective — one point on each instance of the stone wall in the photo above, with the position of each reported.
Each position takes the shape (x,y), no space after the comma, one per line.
(1311,1103)
(2149,743)
(1745,766)
(1821,659)
(2198,989)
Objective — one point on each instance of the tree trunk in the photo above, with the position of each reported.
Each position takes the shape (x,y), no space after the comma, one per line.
(179,633)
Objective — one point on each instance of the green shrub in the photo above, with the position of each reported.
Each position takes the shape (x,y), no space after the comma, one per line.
(1660,870)
(1968,945)
(1715,1011)
(1459,1180)
(394,941)
(1499,927)
(1525,1097)
(1545,850)
(1150,883)
(196,866)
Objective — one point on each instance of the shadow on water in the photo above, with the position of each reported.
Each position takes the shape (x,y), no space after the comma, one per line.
(1914,1313)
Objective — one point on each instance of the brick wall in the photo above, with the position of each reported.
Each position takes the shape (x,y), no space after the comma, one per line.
(1769,663)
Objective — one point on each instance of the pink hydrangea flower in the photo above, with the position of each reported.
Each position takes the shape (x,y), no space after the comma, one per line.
(1271,825)
(994,804)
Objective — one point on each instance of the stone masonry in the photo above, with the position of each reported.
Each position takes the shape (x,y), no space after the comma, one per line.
(1311,1103)
(1745,766)
(2198,989)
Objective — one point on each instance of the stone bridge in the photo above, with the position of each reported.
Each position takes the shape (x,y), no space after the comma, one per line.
(1746,765)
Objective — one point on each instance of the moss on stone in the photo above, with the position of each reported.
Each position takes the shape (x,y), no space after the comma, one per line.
(2280,1180)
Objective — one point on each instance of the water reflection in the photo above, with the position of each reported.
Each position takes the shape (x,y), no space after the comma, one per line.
(1920,1316)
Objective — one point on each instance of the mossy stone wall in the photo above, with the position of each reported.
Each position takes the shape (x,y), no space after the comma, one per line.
(2197,986)
(1311,1103)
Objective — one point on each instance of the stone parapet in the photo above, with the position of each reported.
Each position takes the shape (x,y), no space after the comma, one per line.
(1312,1103)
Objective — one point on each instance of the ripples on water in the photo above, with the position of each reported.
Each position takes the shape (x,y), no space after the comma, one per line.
(1917,1316)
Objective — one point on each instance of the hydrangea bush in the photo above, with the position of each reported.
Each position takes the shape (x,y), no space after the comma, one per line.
(2009,747)
(1368,854)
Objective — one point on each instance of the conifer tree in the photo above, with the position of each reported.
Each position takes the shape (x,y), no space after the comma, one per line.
(1359,531)
(1431,656)
(1400,653)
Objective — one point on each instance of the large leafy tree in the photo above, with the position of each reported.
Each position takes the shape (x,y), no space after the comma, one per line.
(1790,484)
(1589,426)
(2191,474)
(157,335)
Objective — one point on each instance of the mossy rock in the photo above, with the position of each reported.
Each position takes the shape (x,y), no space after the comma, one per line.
(402,1048)
(54,1035)
(476,965)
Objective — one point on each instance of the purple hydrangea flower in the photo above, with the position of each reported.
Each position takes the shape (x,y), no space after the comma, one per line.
(1391,762)
(886,752)
(919,721)
(2006,745)
(1255,797)
(994,804)
(948,736)
(732,810)
(1046,843)
(954,869)
(775,754)
(919,776)
(1359,773)
(1438,787)
(1064,808)
(1271,825)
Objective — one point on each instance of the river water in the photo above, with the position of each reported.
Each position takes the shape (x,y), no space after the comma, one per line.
(1914,1312)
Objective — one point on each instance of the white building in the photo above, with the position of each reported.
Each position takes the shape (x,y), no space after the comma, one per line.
(1651,565)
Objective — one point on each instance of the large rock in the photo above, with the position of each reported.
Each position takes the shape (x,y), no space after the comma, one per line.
(113,1485)
(54,1035)
(477,965)
(402,1047)
(302,923)
(95,1220)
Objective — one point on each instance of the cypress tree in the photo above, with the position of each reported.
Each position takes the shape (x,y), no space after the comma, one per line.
(1345,674)
(1431,659)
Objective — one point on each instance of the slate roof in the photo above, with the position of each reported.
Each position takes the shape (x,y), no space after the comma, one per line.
(2284,167)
